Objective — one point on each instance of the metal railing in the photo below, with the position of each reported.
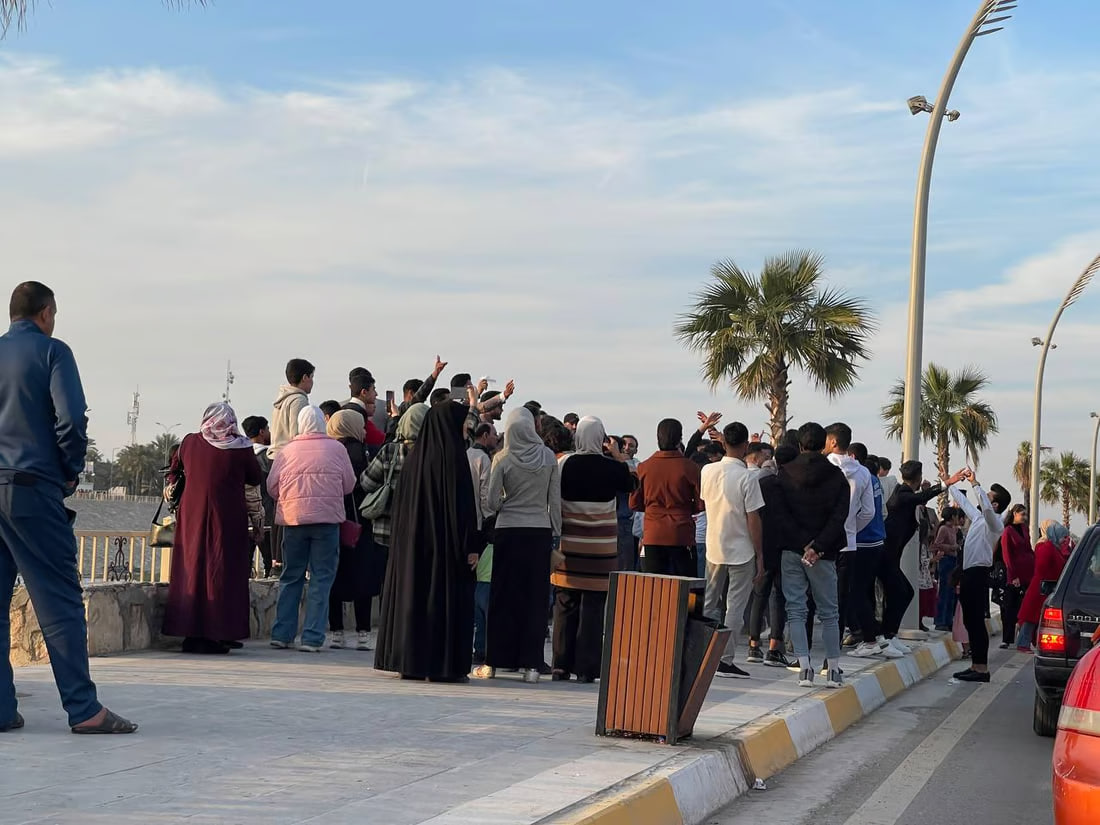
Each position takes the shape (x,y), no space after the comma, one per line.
(120,556)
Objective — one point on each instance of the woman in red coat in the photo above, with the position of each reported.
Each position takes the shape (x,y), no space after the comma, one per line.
(1019,561)
(212,554)
(1051,554)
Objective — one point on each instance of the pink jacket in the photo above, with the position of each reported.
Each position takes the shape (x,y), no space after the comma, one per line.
(309,479)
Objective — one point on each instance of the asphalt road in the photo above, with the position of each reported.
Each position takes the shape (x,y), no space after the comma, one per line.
(939,754)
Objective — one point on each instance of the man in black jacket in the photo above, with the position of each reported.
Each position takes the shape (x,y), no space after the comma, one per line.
(775,519)
(817,497)
(901,526)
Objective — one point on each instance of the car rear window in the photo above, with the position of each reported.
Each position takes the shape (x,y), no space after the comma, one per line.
(1090,579)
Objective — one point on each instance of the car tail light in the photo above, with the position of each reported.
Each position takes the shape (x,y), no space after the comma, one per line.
(1052,633)
(1081,703)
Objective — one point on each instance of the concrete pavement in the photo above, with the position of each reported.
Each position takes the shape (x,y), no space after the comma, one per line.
(286,737)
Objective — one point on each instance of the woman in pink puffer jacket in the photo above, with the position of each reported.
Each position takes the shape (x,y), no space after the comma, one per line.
(308,480)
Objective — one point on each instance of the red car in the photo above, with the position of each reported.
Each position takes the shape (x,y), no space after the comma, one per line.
(1076,766)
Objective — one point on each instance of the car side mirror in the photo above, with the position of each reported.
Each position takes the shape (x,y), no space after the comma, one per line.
(1046,587)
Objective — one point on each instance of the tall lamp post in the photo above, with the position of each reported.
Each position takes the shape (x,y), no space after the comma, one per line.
(982,24)
(1083,280)
(1092,469)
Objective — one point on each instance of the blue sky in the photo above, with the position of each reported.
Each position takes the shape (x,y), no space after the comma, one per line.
(536,190)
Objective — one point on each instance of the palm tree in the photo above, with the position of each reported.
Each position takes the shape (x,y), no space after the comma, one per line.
(1065,479)
(163,445)
(15,11)
(92,453)
(1022,469)
(950,413)
(752,330)
(138,467)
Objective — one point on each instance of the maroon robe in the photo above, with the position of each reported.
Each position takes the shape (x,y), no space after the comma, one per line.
(212,555)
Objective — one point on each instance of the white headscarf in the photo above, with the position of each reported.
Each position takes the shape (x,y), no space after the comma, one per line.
(522,442)
(590,436)
(310,421)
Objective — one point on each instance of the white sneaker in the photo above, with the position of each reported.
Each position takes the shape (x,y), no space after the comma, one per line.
(309,648)
(867,649)
(337,641)
(900,647)
(806,677)
(836,679)
(279,645)
(365,642)
(531,676)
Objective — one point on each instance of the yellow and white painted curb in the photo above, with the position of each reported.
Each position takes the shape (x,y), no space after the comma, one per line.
(697,782)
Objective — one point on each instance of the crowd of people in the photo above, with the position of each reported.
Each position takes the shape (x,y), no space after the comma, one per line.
(475,544)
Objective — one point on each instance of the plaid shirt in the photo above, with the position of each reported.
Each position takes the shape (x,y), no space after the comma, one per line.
(374,477)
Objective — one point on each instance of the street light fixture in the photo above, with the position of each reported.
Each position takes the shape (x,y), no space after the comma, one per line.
(980,25)
(1092,469)
(1083,280)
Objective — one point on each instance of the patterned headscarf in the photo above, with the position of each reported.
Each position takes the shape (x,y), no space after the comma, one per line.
(347,424)
(219,428)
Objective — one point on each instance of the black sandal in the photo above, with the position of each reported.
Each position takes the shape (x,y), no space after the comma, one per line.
(112,723)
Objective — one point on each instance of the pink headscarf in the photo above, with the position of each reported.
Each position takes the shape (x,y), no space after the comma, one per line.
(219,428)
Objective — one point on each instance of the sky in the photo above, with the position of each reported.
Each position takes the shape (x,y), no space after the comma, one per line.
(537,190)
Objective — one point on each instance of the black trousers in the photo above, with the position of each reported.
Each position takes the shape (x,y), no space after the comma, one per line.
(862,567)
(264,545)
(1010,610)
(768,595)
(518,597)
(974,598)
(666,560)
(578,631)
(843,563)
(898,593)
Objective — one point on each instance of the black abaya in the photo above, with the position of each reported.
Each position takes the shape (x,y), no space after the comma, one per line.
(428,598)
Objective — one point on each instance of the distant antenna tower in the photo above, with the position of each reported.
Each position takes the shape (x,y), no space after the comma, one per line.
(229,378)
(132,417)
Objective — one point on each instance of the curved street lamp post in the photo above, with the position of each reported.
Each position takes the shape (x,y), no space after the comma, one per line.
(1092,469)
(981,24)
(1083,280)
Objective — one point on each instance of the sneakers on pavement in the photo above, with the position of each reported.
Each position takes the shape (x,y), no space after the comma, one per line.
(836,679)
(826,670)
(776,658)
(755,656)
(364,642)
(309,648)
(969,675)
(866,650)
(337,641)
(899,646)
(281,645)
(806,677)
(731,671)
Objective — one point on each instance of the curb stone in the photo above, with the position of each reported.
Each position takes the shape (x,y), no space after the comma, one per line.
(693,784)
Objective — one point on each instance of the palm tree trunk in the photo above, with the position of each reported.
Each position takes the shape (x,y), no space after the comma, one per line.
(777,401)
(1065,505)
(943,461)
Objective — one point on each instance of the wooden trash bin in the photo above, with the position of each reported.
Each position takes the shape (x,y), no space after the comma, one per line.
(659,656)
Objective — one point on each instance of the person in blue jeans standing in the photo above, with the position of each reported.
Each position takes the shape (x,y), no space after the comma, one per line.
(816,498)
(43,441)
(945,548)
(308,480)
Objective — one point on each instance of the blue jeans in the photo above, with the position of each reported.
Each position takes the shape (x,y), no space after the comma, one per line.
(945,604)
(36,538)
(481,617)
(313,547)
(1026,635)
(821,581)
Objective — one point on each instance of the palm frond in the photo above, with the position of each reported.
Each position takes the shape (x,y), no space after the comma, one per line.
(15,12)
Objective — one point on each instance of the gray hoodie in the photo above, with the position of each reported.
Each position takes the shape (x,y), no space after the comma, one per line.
(289,402)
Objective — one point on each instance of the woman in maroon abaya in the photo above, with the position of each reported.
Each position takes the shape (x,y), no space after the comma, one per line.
(211,558)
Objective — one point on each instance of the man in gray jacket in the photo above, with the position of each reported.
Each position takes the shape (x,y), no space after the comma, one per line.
(43,441)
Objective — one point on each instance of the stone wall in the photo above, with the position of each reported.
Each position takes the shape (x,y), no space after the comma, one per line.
(124,616)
